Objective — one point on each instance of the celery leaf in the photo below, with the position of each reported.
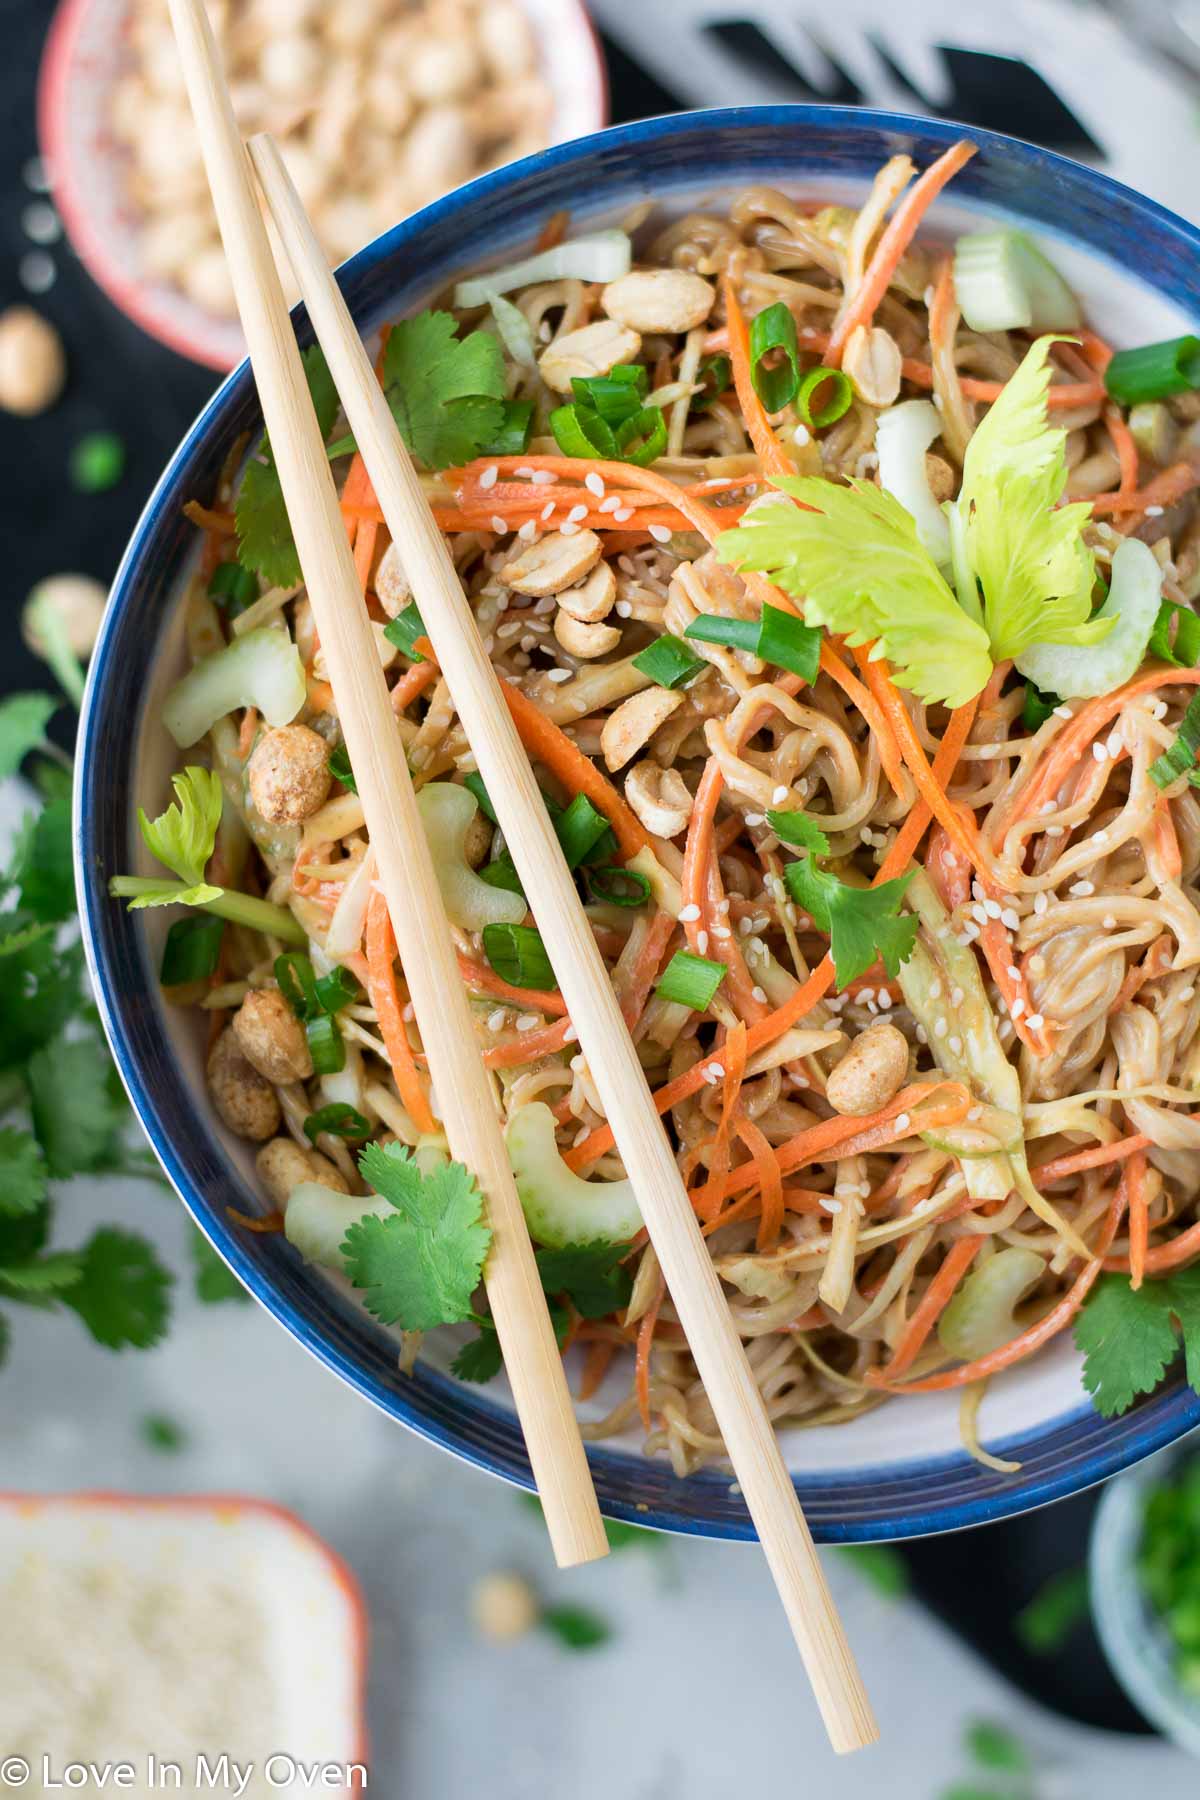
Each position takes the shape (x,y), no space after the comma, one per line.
(183,837)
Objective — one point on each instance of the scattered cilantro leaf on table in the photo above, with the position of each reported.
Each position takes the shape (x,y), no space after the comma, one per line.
(446,393)
(576,1627)
(214,1281)
(22,1172)
(880,1564)
(161,1433)
(122,1291)
(23,722)
(76,1111)
(52,1274)
(44,864)
(1128,1336)
(1046,1622)
(419,1266)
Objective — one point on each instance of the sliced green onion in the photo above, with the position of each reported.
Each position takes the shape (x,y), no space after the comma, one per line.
(233,588)
(337,989)
(669,662)
(775,636)
(298,983)
(580,431)
(1181,757)
(405,629)
(1037,707)
(773,331)
(616,396)
(1185,651)
(1154,371)
(580,828)
(192,950)
(339,767)
(713,377)
(325,1044)
(841,397)
(617,886)
(691,980)
(339,1120)
(343,446)
(642,439)
(474,784)
(512,439)
(518,956)
(501,872)
(1003,283)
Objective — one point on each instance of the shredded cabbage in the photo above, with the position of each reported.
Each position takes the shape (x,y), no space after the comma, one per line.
(515,331)
(902,436)
(600,256)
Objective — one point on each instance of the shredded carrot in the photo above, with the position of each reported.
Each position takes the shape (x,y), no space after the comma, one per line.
(1095,1158)
(528,1046)
(771,453)
(380,946)
(1095,350)
(894,241)
(964,836)
(885,738)
(945,762)
(709,1199)
(768,1181)
(1139,1217)
(553,231)
(595,1367)
(1164,1257)
(268,1224)
(929,1309)
(1164,490)
(219,523)
(1126,448)
(320,696)
(645,1338)
(700,517)
(1069,746)
(413,683)
(698,849)
(948,869)
(1152,964)
(645,970)
(364,551)
(577,772)
(246,732)
(1166,840)
(1045,1328)
(485,981)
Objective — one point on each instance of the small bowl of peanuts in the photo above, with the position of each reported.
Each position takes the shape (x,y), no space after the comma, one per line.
(379,106)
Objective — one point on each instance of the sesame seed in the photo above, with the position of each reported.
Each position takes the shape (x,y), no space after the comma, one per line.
(1057,831)
(407,1013)
(498,524)
(977,912)
(1040,902)
(1082,888)
(543,477)
(569,528)
(528,1022)
(992,909)
(802,435)
(721,931)
(558,674)
(528,531)
(759,994)
(581,1136)
(576,514)
(755,818)
(1154,512)
(1109,921)
(622,513)
(489,477)
(884,999)
(1034,1021)
(525,472)
(956,997)
(702,942)
(744,927)
(624,609)
(610,505)
(1099,752)
(902,1124)
(940,1028)
(935,990)
(955,1044)
(688,913)
(1101,837)
(1011,919)
(1013,972)
(660,533)
(866,995)
(594,484)
(831,1206)
(714,1072)
(497,1020)
(1017,1007)
(1116,743)
(779,796)
(570,1035)
(1062,712)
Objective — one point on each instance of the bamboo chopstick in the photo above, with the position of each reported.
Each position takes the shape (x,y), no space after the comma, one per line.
(604,1040)
(406,871)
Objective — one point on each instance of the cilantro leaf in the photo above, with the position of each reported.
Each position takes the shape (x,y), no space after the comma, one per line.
(1128,1337)
(23,1235)
(419,1267)
(161,1433)
(994,1746)
(1060,1605)
(213,1279)
(183,837)
(591,1276)
(802,833)
(880,1564)
(1036,572)
(4,1337)
(22,1172)
(48,1275)
(445,392)
(13,942)
(76,1110)
(853,555)
(23,722)
(265,541)
(576,1627)
(479,1360)
(45,868)
(863,923)
(40,993)
(122,1291)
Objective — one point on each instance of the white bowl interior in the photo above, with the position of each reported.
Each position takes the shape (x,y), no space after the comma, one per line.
(1038,1393)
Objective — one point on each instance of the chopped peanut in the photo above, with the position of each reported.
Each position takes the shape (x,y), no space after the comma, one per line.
(634,723)
(659,797)
(871,1072)
(289,774)
(553,563)
(592,350)
(244,1100)
(271,1037)
(661,300)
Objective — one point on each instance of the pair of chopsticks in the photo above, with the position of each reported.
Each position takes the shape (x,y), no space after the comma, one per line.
(409,885)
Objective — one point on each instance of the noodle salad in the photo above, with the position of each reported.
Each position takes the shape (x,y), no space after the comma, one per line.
(839,582)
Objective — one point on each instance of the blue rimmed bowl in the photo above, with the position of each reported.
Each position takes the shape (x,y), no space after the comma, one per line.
(900,1471)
